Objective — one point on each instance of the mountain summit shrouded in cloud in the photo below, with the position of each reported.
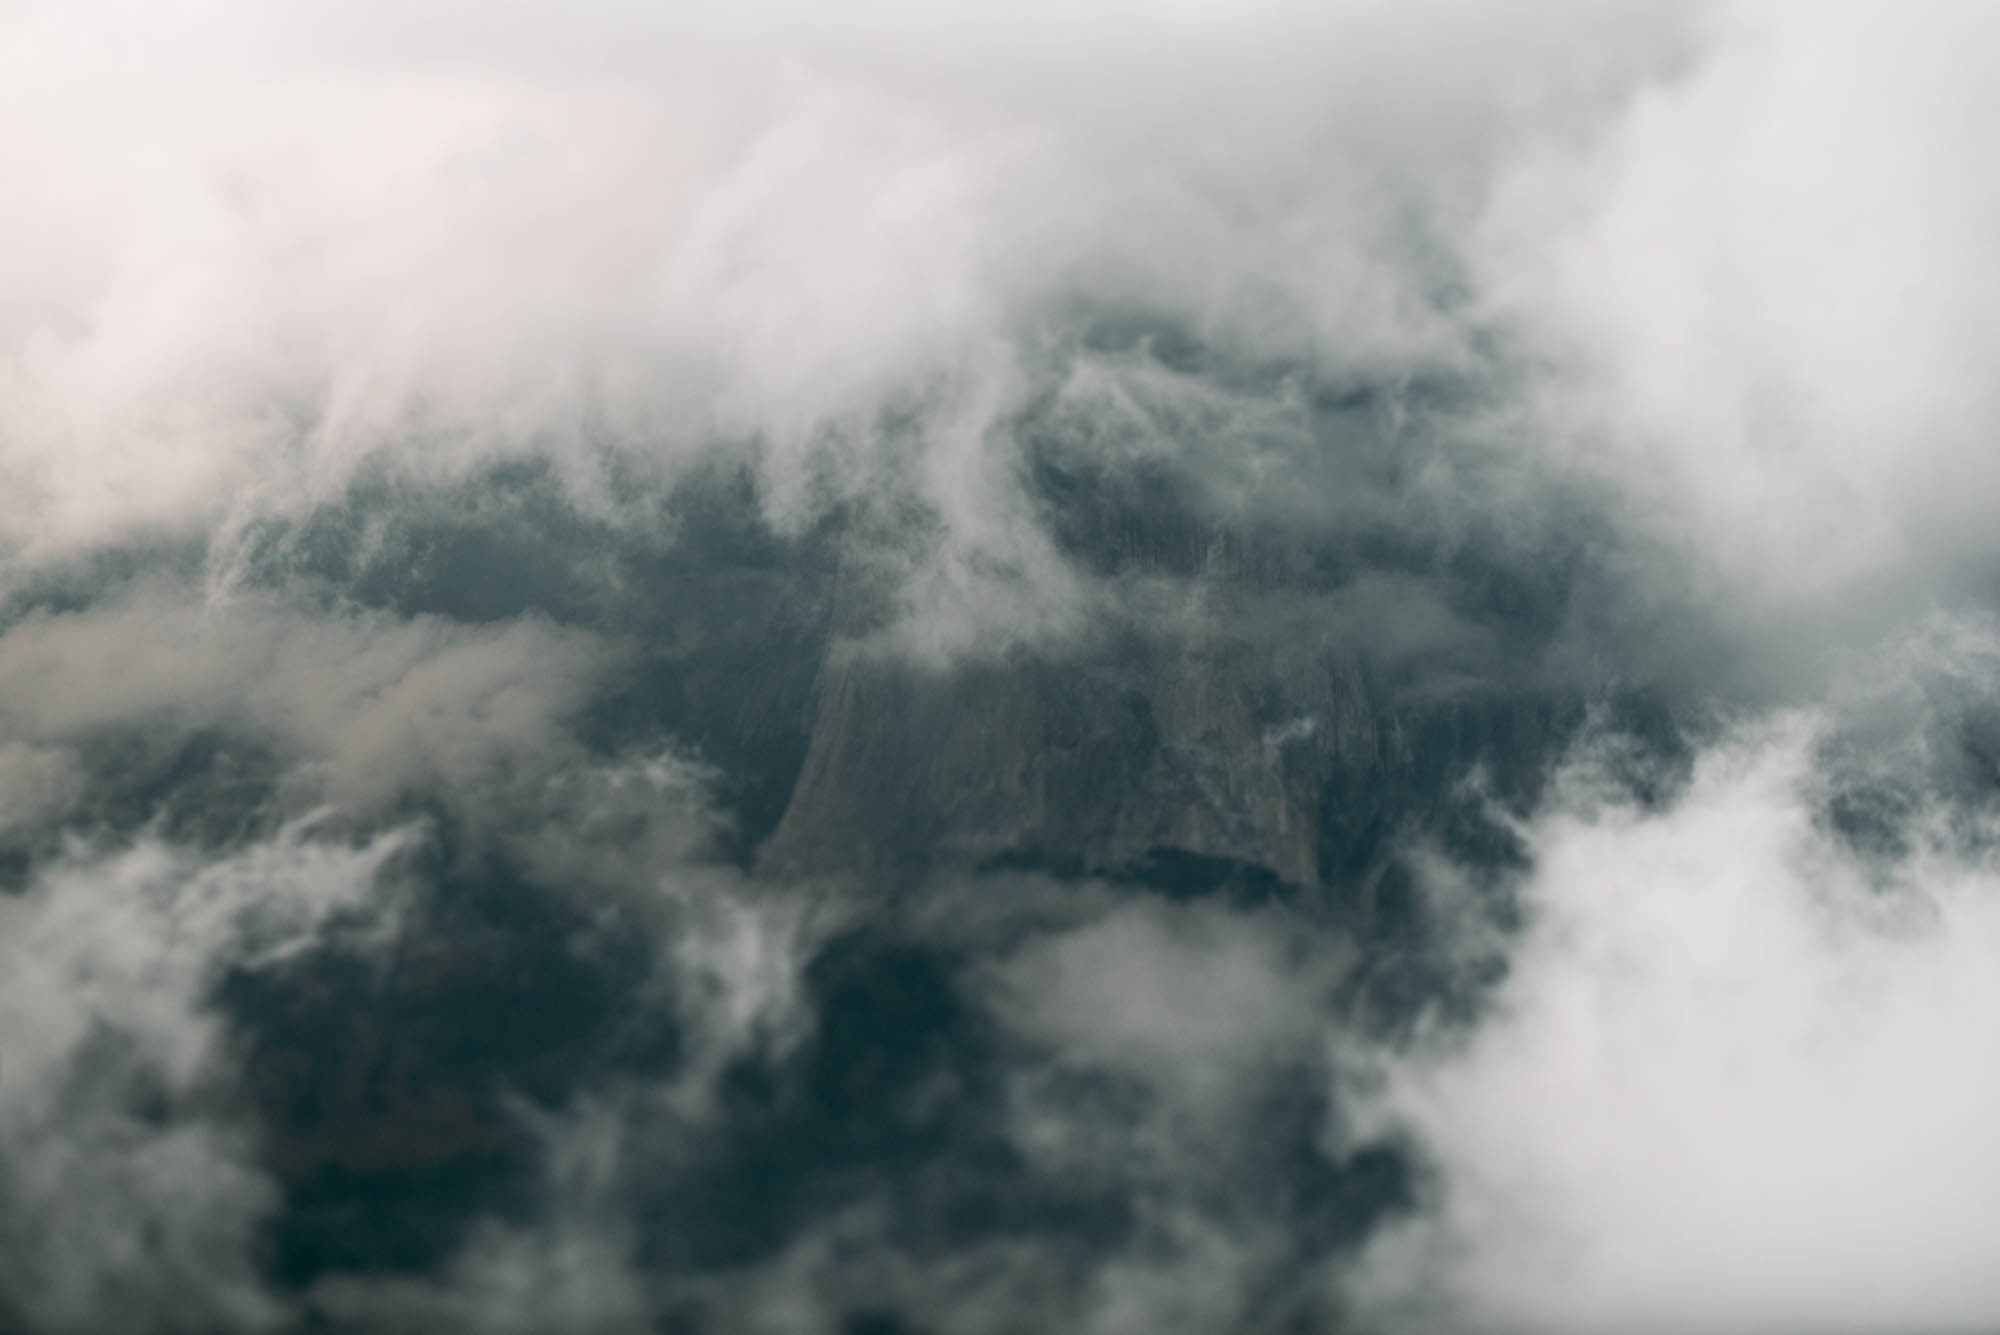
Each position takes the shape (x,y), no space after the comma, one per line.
(902,670)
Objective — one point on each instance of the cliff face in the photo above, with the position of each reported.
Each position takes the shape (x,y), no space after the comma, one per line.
(1090,763)
(1246,699)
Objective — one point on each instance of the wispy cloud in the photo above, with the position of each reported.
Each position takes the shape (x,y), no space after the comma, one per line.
(1141,499)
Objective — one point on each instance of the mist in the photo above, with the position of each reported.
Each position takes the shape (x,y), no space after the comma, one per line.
(1160,667)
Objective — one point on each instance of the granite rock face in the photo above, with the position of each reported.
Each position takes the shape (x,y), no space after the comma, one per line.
(1251,689)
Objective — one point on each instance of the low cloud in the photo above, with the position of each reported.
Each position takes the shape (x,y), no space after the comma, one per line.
(366,708)
(1731,1081)
(130,1188)
(1771,287)
(1196,1003)
(264,256)
(1186,454)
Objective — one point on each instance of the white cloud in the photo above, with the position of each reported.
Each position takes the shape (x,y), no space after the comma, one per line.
(1739,260)
(1774,287)
(252,252)
(131,1198)
(366,706)
(1732,1081)
(1194,1001)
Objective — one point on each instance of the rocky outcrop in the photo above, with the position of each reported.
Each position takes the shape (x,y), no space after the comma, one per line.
(1239,703)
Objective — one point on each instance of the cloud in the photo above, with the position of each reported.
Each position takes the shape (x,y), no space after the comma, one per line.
(1192,1000)
(38,784)
(1771,286)
(262,255)
(366,708)
(1325,380)
(1731,1080)
(130,1192)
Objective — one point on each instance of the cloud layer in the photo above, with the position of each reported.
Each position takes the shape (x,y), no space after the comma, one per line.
(1728,1049)
(1167,667)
